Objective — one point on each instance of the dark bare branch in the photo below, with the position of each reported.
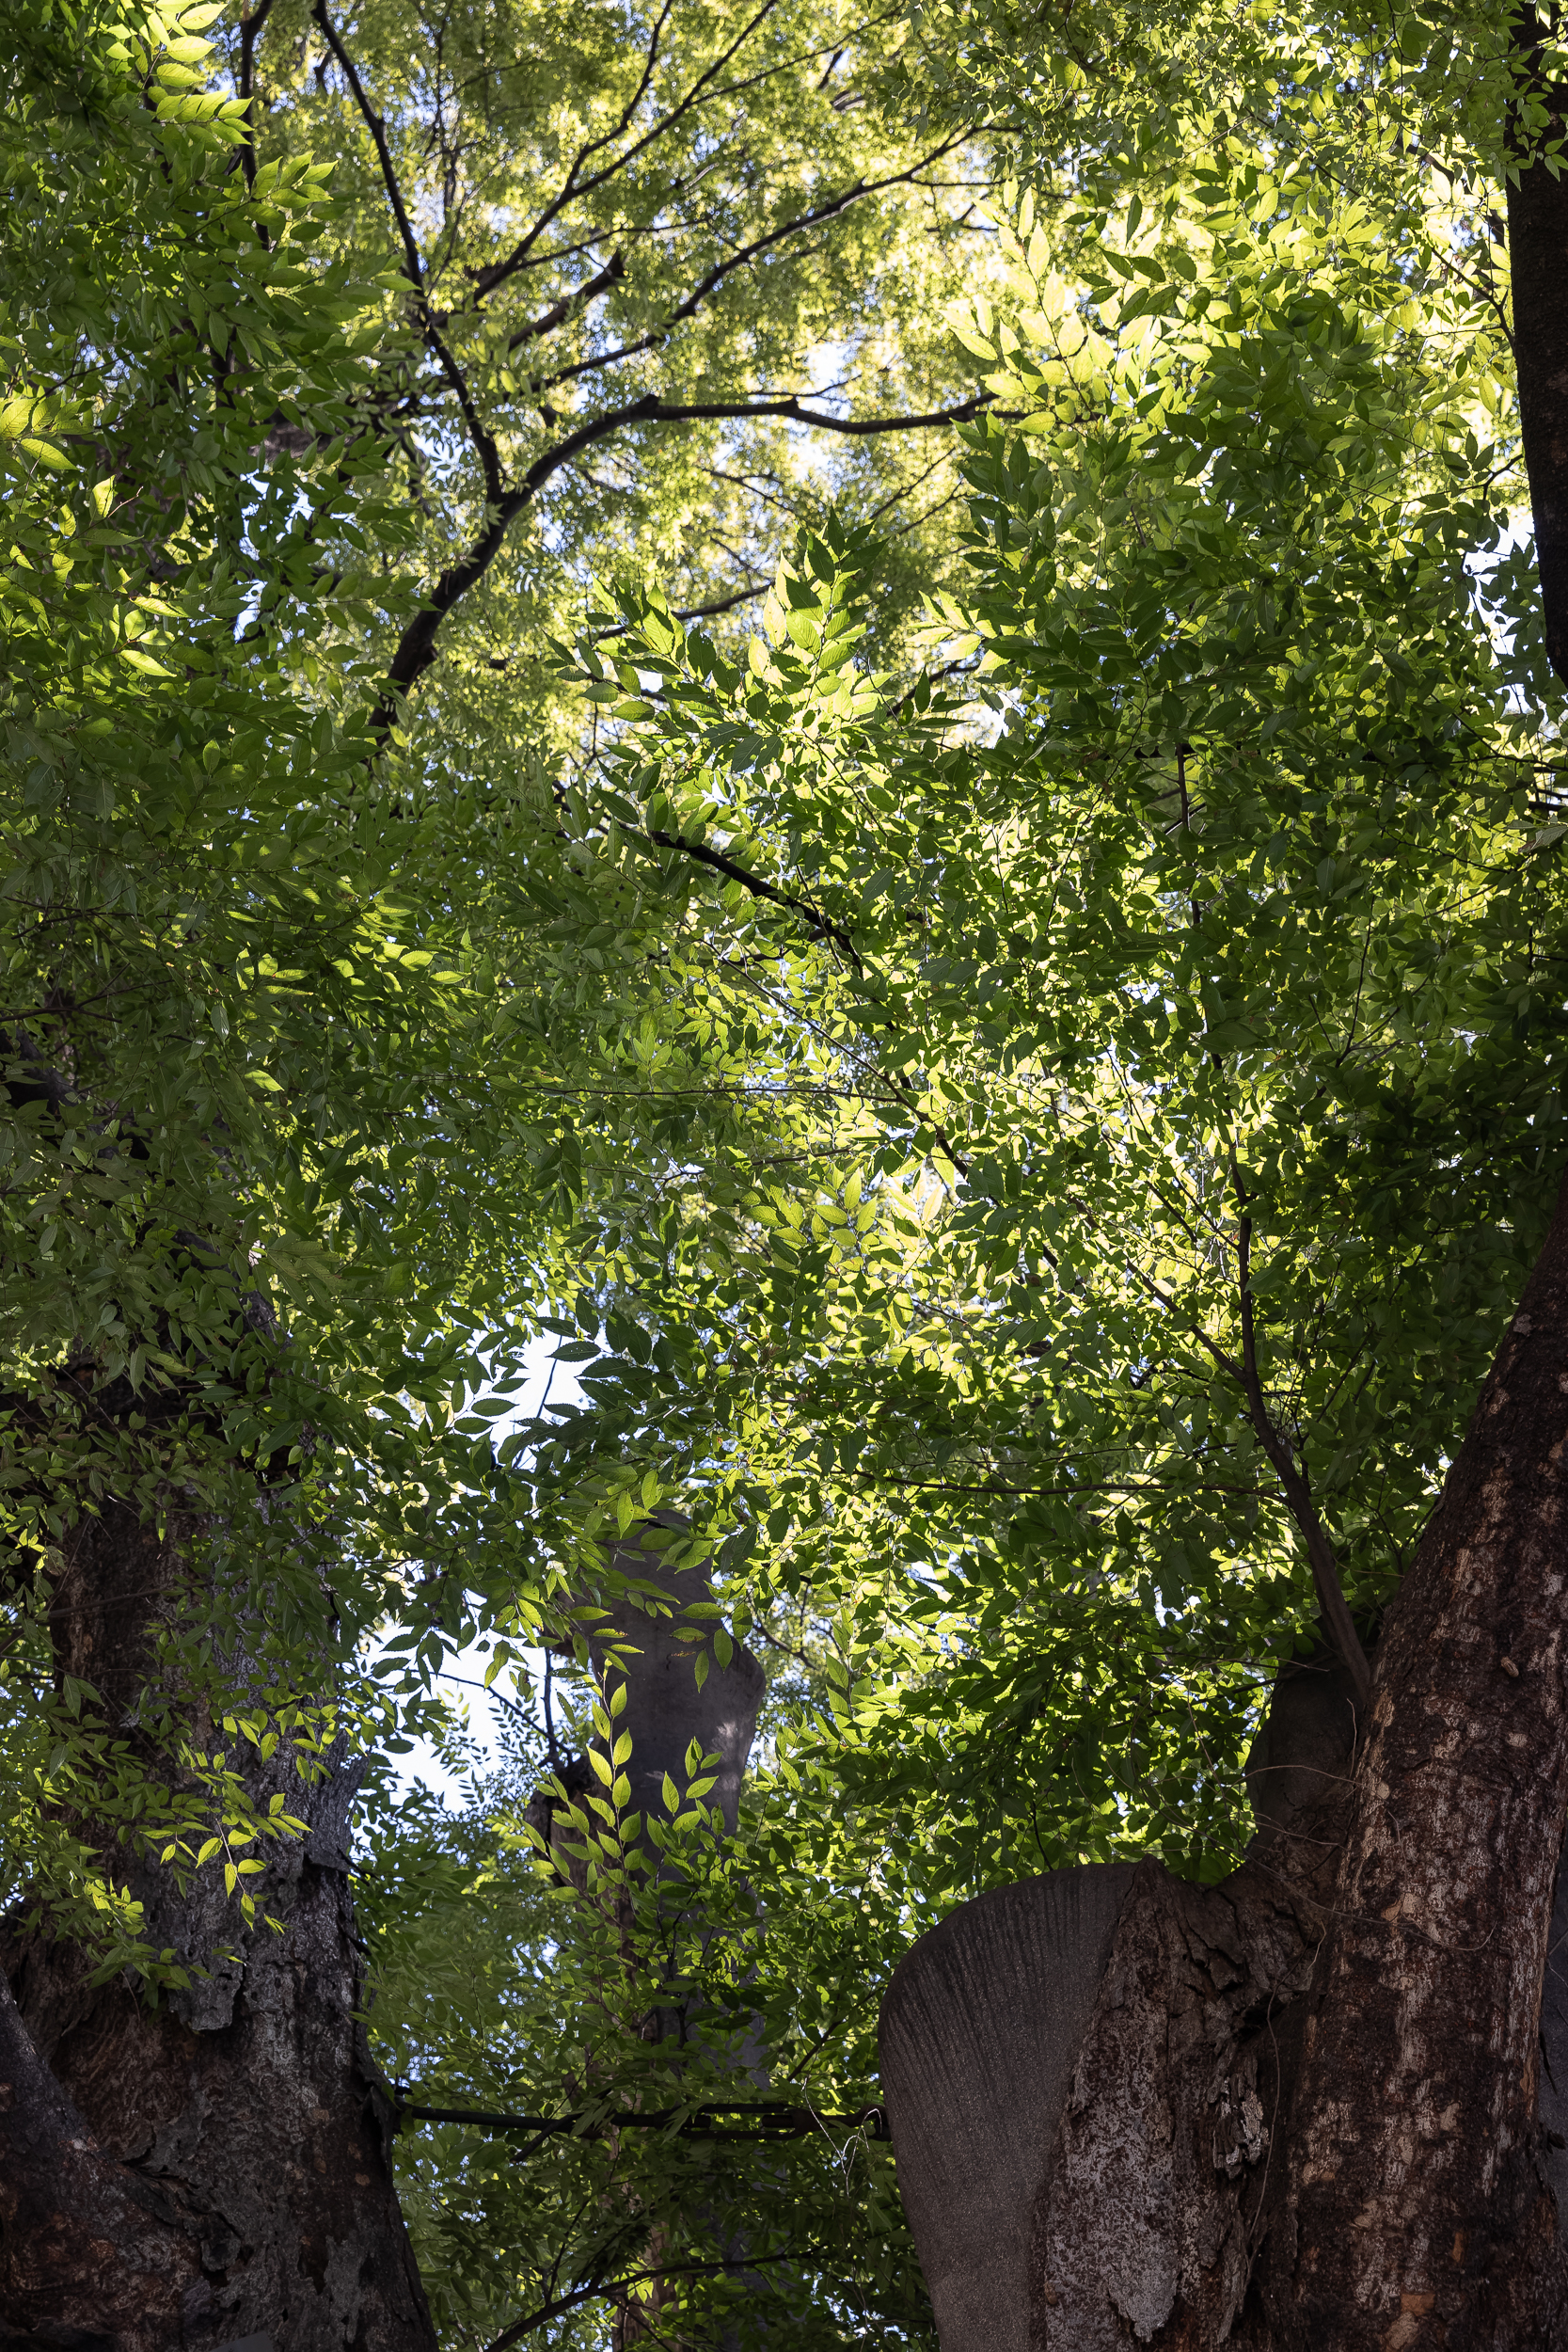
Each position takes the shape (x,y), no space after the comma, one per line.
(416,649)
(578,299)
(687,613)
(814,919)
(572,188)
(548,2311)
(377,126)
(695,612)
(252,25)
(482,440)
(776,2119)
(1337,1621)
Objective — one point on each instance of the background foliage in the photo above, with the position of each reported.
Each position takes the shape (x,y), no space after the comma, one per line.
(1025,1088)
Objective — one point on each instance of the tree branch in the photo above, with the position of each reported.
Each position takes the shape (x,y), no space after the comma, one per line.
(691,412)
(483,442)
(1337,1621)
(829,210)
(548,2311)
(694,612)
(415,648)
(485,281)
(825,929)
(760,889)
(785,2121)
(252,25)
(613,270)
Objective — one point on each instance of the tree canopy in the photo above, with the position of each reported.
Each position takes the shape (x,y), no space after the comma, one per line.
(627,255)
(1026,1087)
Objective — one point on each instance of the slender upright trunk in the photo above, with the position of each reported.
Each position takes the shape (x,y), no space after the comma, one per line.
(1538,267)
(667,1711)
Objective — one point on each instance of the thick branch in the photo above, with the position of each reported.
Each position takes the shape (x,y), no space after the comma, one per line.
(1298,1495)
(417,648)
(252,23)
(1538,237)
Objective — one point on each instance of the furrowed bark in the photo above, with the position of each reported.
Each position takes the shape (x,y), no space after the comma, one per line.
(1325,2105)
(1415,2208)
(1419,2203)
(85,2246)
(217,2166)
(1084,2073)
(1101,2129)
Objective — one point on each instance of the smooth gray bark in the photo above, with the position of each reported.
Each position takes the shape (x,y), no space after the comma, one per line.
(979,2032)
(666,1709)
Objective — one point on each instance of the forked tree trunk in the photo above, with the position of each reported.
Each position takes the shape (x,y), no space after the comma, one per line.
(1324,2105)
(216,2170)
(1309,2108)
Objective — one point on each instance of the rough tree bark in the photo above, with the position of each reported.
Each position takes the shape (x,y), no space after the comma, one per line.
(1318,2104)
(1325,2104)
(213,2169)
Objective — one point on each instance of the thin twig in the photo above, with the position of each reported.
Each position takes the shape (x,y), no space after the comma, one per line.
(548,2311)
(785,2121)
(1338,1620)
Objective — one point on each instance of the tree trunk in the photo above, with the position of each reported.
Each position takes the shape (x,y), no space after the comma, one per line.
(214,2168)
(667,1711)
(1308,2107)
(1538,261)
(1325,2104)
(1414,2191)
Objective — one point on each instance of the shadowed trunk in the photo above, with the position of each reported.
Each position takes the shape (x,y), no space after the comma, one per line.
(214,2168)
(1315,2105)
(1325,2104)
(1538,262)
(1414,2187)
(667,1711)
